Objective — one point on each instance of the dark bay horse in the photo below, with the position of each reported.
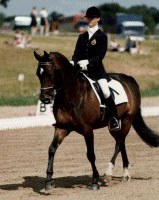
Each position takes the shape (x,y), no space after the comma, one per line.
(76,108)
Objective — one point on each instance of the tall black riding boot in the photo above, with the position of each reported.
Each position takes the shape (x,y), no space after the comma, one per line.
(113,123)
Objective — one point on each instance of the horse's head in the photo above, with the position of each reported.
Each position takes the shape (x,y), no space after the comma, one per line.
(53,71)
(45,72)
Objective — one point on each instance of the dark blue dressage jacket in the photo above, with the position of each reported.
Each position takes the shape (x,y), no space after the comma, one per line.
(93,50)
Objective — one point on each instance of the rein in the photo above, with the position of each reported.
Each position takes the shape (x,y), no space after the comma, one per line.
(69,82)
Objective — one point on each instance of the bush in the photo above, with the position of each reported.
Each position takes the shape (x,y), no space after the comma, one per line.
(2,16)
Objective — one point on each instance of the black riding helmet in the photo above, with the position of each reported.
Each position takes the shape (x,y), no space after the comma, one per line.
(93,12)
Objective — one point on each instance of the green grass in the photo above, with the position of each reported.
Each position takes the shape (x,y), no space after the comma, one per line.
(152,92)
(18,101)
(144,68)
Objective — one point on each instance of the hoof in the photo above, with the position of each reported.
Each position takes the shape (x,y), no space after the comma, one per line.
(126,178)
(107,178)
(49,185)
(94,186)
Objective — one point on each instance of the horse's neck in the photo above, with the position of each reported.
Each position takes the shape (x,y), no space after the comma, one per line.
(76,90)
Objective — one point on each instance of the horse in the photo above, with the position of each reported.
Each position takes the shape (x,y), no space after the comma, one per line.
(76,108)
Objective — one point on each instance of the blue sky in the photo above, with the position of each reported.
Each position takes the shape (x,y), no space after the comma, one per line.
(66,7)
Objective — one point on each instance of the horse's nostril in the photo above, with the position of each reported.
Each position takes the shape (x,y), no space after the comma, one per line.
(46,100)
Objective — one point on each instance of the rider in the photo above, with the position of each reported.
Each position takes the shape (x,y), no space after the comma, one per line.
(89,52)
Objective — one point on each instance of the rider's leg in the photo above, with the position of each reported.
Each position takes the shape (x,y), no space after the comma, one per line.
(113,124)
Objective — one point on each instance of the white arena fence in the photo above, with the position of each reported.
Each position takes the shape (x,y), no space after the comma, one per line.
(25,122)
(48,120)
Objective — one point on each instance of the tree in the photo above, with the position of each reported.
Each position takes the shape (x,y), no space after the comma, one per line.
(150,15)
(155,14)
(4,2)
(2,16)
(108,11)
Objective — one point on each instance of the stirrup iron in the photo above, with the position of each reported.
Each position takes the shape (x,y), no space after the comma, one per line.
(114,124)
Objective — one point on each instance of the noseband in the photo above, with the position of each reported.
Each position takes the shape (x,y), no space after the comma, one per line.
(46,88)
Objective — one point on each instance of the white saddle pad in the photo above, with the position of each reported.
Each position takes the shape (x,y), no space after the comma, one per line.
(117,88)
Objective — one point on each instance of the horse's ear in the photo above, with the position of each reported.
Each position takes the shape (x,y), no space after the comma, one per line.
(46,55)
(37,56)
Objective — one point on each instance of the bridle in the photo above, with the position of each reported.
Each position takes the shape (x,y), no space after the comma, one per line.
(45,63)
(55,90)
(46,88)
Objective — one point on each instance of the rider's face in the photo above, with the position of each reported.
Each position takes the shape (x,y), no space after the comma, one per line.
(92,21)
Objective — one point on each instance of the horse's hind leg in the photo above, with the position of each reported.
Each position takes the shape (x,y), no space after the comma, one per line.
(109,171)
(126,175)
(89,139)
(126,128)
(58,138)
(120,147)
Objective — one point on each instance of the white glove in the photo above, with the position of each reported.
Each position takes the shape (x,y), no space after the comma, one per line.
(83,64)
(72,63)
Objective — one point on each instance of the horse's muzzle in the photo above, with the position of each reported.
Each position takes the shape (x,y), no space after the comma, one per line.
(45,98)
(45,101)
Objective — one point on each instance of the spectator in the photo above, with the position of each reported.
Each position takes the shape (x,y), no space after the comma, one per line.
(55,23)
(133,44)
(33,21)
(19,40)
(29,44)
(130,44)
(114,45)
(44,22)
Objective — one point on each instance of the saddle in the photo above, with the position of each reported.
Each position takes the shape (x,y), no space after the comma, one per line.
(116,89)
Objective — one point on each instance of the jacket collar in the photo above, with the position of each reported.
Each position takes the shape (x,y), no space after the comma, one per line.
(86,36)
(94,35)
(92,31)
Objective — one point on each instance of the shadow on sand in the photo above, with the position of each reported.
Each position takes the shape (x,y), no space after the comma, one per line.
(38,183)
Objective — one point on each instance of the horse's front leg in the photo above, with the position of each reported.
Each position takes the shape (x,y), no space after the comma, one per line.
(59,135)
(89,139)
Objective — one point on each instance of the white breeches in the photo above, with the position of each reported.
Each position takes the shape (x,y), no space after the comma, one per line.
(104,87)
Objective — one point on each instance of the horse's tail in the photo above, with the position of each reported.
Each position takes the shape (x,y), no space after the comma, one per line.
(149,136)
